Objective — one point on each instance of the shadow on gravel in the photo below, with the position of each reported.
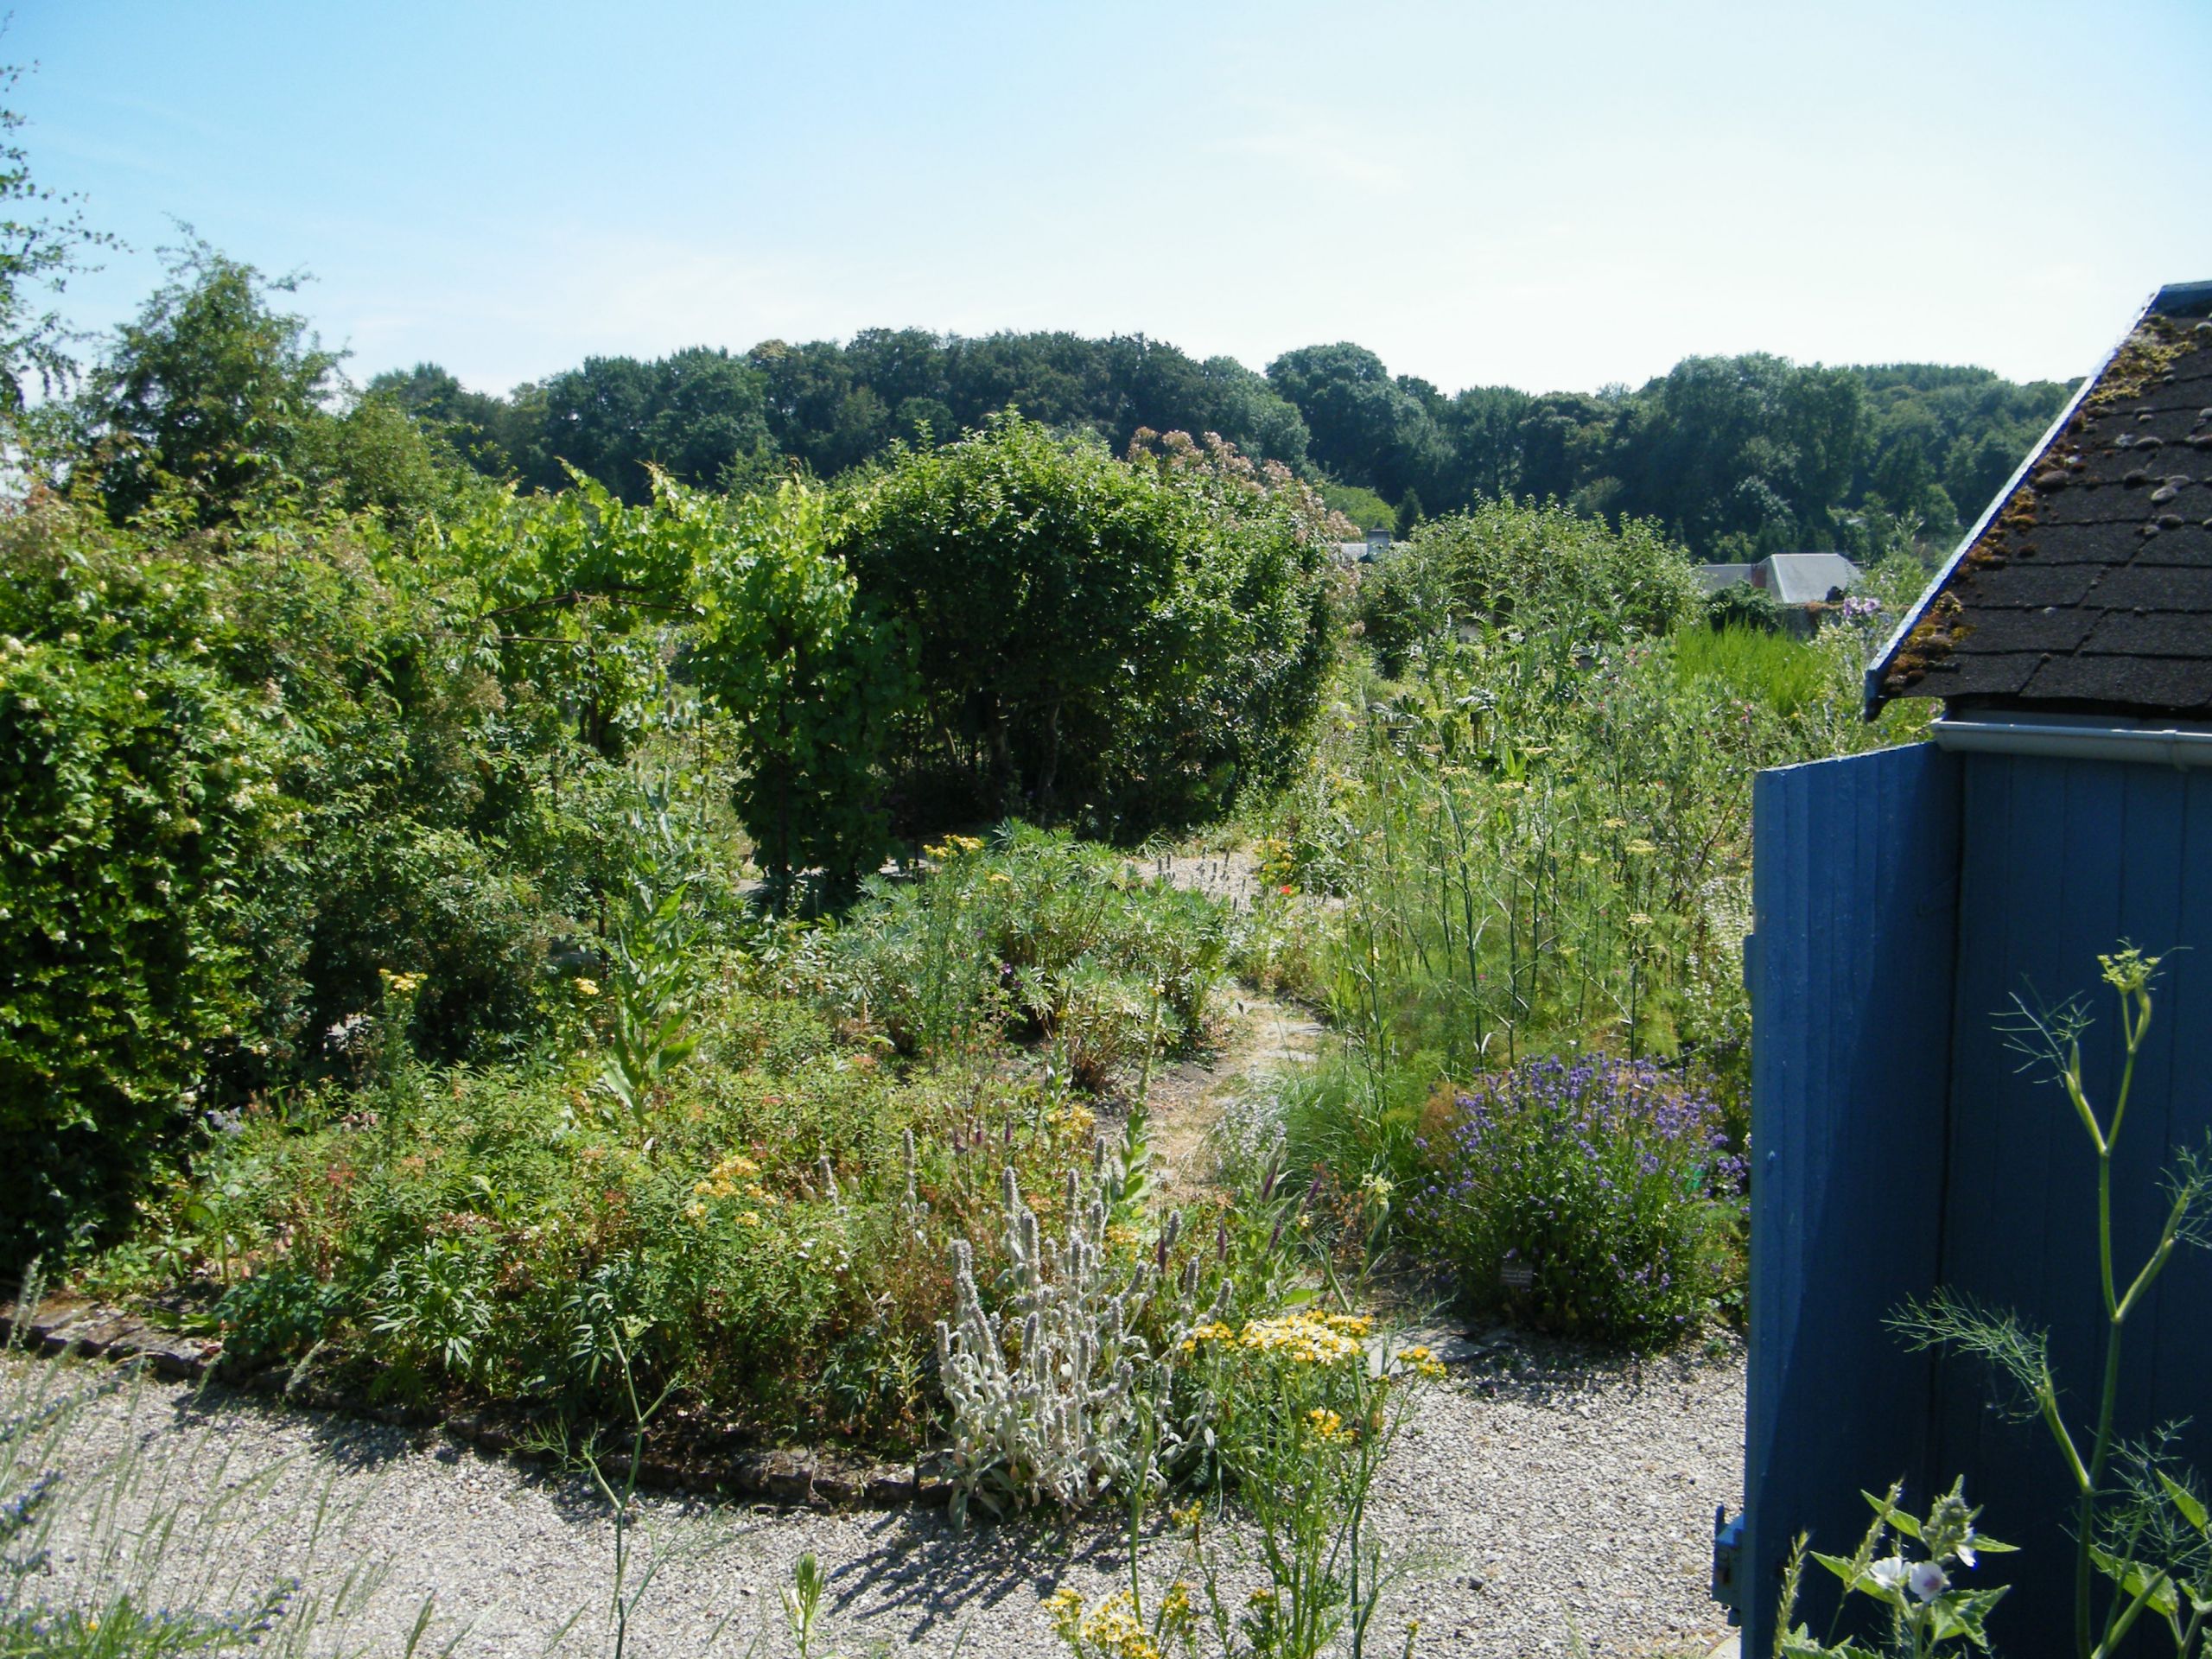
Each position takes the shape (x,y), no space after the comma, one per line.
(354,1444)
(1551,1373)
(923,1567)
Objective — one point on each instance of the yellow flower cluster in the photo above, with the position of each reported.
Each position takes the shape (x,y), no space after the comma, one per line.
(1177,1616)
(1419,1360)
(1206,1333)
(735,1177)
(953,846)
(723,1179)
(400,984)
(1112,1631)
(1306,1338)
(1327,1423)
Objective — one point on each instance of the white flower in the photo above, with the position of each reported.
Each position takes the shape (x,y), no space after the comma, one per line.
(1927,1580)
(1890,1574)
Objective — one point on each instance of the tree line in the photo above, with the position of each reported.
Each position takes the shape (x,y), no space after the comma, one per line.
(1737,457)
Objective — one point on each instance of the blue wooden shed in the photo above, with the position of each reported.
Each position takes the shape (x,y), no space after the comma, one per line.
(1900,899)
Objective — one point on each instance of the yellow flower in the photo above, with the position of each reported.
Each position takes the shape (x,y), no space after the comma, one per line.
(1176,1615)
(1300,1338)
(1327,1423)
(747,1218)
(1113,1630)
(587,988)
(1066,1608)
(1000,878)
(1421,1361)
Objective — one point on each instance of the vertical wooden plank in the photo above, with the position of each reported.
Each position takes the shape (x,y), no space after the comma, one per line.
(1854,897)
(2061,859)
(2180,1333)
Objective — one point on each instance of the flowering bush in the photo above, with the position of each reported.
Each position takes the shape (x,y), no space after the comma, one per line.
(1584,1198)
(1306,1406)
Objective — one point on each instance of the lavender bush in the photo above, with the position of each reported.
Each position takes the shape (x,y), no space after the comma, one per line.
(1591,1198)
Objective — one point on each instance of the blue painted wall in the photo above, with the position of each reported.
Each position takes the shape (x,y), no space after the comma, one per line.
(2061,859)
(1854,899)
(1901,897)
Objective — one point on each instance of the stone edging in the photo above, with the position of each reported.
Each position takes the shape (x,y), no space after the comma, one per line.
(787,1477)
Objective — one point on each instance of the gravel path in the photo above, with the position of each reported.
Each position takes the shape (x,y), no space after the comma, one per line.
(1535,1491)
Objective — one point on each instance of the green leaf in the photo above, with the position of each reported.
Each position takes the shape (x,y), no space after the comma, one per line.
(1962,1613)
(2191,1506)
(1896,1516)
(2132,1578)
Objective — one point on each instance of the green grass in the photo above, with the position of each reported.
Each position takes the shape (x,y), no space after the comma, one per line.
(1785,674)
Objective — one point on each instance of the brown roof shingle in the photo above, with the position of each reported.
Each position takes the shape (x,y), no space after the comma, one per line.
(2088,585)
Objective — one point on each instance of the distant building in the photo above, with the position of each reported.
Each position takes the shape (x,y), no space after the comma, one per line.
(1364,552)
(1805,578)
(1792,578)
(1802,583)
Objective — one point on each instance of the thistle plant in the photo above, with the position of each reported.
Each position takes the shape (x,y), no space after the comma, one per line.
(1905,1564)
(2116,1532)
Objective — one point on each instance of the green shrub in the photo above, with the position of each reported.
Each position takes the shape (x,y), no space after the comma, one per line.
(1538,570)
(1739,605)
(140,785)
(1039,929)
(1128,645)
(1586,1198)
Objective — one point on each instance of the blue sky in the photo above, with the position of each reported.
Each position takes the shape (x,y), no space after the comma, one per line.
(1546,195)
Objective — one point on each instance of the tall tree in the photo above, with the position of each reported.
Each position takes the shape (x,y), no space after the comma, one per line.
(44,240)
(211,392)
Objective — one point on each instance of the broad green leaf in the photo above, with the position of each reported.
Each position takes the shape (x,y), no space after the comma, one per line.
(2191,1506)
(1896,1516)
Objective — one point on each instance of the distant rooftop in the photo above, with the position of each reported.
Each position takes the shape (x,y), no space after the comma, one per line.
(2088,585)
(1792,578)
(1804,578)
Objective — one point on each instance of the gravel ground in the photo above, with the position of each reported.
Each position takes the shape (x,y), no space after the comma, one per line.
(1536,1492)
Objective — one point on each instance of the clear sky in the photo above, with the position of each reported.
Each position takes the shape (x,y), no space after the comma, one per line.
(1541,195)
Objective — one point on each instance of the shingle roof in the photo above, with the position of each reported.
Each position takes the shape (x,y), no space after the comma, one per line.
(1806,578)
(2088,585)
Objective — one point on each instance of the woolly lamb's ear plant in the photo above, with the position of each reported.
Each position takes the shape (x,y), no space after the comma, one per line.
(1054,1414)
(2113,1538)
